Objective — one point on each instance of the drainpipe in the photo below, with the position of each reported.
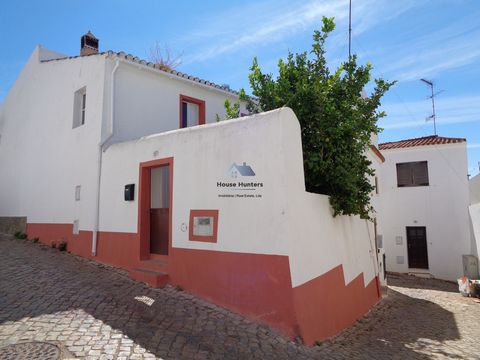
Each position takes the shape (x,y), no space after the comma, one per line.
(100,156)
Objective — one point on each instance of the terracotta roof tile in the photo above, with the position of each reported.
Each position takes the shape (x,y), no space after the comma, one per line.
(422,141)
(134,59)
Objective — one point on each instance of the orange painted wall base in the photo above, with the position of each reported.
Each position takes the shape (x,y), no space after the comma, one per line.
(114,248)
(257,286)
(324,306)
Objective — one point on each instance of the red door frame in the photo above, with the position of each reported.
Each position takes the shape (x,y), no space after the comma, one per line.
(144,206)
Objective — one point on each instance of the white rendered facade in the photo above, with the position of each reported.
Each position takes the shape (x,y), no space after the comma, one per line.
(441,208)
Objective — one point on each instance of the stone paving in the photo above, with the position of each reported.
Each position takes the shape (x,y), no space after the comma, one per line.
(92,311)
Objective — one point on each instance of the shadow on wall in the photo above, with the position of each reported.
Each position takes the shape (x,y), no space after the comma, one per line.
(38,281)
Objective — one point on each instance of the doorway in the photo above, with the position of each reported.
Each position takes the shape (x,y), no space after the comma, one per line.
(155,208)
(159,209)
(417,247)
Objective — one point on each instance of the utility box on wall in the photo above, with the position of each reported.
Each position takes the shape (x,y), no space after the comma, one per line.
(129,194)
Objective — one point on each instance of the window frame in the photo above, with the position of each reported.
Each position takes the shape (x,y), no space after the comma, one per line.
(83,106)
(203,213)
(192,100)
(79,107)
(411,168)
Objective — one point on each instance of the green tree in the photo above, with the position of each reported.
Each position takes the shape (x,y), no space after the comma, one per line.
(336,120)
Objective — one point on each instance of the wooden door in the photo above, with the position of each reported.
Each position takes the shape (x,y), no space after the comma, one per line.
(417,247)
(159,209)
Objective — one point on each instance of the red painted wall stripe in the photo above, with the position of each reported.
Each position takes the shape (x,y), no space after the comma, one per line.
(257,286)
(325,305)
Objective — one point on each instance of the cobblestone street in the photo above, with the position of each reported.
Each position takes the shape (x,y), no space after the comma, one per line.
(96,312)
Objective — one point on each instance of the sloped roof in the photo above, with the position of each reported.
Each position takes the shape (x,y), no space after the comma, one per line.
(422,141)
(134,59)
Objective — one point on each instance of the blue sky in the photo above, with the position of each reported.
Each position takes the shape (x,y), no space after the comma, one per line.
(404,40)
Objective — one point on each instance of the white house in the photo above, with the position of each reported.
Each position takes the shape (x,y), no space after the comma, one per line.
(424,206)
(126,163)
(474,211)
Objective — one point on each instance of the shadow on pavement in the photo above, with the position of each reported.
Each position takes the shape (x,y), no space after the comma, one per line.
(415,282)
(36,280)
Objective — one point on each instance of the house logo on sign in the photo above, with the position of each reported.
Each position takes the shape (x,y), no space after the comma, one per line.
(242,183)
(235,171)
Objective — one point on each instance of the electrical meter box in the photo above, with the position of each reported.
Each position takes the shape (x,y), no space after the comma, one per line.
(129,194)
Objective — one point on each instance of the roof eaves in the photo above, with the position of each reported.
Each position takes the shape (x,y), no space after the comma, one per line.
(136,60)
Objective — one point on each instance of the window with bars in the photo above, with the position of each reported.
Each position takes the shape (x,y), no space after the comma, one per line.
(412,174)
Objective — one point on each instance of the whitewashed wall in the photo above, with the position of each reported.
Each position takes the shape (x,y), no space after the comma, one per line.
(474,211)
(442,207)
(42,158)
(284,221)
(147,101)
(474,187)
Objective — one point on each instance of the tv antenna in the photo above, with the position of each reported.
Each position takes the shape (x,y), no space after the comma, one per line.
(433,116)
(350,31)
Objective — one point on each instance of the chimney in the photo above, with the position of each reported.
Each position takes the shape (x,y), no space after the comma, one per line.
(88,44)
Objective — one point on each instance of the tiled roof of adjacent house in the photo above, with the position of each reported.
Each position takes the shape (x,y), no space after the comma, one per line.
(422,141)
(135,59)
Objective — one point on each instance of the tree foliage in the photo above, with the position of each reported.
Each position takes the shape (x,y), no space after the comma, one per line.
(337,120)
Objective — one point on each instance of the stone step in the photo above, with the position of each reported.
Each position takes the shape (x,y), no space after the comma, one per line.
(155,279)
(154,265)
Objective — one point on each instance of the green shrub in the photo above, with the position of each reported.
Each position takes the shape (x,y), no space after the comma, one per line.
(35,239)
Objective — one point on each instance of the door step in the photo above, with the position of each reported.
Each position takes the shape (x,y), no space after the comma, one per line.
(154,265)
(421,274)
(155,279)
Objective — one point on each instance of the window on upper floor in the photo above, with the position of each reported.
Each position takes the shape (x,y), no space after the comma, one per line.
(192,111)
(412,174)
(79,107)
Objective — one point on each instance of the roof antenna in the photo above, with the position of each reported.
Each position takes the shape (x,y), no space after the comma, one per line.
(433,116)
(350,31)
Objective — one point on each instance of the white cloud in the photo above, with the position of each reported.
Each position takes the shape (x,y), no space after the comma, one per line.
(270,22)
(473,146)
(449,48)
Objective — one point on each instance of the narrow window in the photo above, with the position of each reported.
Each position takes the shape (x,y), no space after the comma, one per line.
(79,107)
(84,104)
(192,111)
(77,193)
(412,174)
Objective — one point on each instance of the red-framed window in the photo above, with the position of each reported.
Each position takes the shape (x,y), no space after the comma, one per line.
(203,225)
(192,111)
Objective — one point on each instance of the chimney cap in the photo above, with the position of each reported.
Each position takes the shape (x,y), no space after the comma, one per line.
(89,34)
(88,44)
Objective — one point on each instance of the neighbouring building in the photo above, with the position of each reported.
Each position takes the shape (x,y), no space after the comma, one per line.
(474,211)
(424,206)
(125,162)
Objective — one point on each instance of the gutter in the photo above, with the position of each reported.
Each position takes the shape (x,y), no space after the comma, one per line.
(101,149)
